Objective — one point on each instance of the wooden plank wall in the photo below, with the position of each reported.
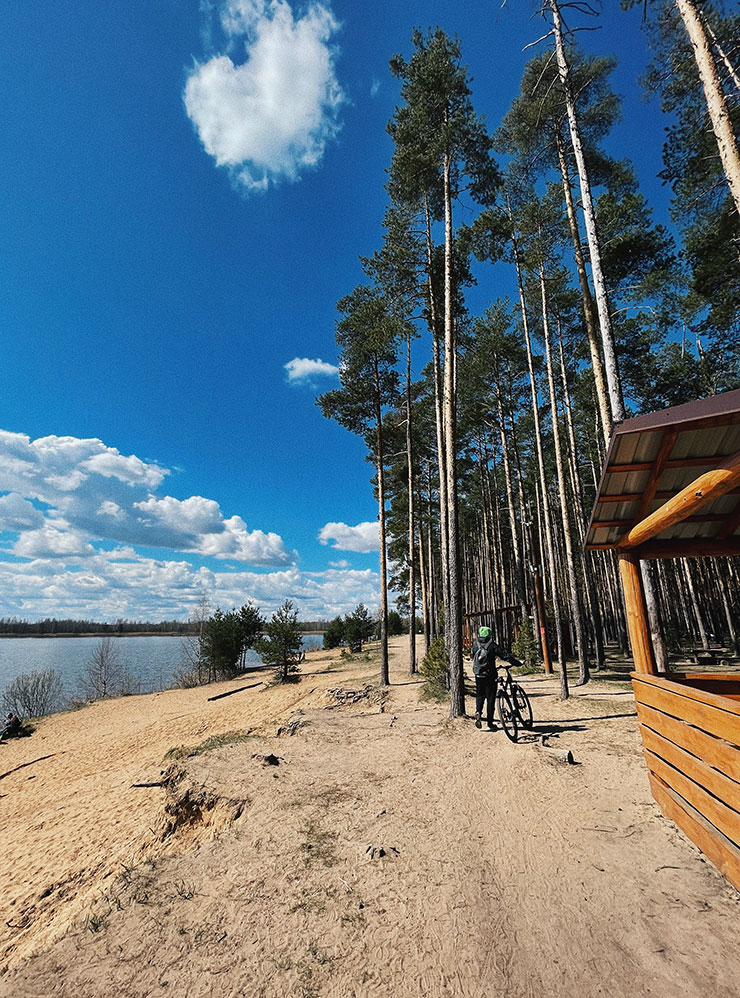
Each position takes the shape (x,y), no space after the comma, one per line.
(691,740)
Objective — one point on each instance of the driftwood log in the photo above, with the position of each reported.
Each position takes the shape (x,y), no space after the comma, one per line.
(230,693)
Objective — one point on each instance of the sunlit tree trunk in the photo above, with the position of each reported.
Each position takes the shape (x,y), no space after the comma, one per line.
(384,677)
(453,616)
(588,302)
(719,112)
(412,524)
(588,575)
(575,599)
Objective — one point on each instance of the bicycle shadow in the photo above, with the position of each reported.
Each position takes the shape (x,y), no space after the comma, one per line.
(548,729)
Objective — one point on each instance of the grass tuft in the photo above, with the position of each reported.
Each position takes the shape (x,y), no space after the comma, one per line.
(214,742)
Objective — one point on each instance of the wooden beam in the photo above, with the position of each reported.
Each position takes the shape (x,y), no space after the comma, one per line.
(695,547)
(637,625)
(678,462)
(730,525)
(664,451)
(660,496)
(700,518)
(711,485)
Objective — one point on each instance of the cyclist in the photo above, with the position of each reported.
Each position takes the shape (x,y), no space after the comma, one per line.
(485,652)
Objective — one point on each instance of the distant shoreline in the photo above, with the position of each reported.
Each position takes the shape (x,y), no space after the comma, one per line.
(125,634)
(103,634)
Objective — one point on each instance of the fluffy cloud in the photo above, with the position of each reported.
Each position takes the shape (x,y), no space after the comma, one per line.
(301,369)
(268,115)
(119,583)
(16,513)
(363,537)
(93,492)
(54,540)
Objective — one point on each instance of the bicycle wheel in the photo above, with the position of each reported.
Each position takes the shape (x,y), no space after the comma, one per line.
(523,707)
(507,715)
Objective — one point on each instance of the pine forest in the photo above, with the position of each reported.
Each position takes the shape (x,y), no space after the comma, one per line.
(487,432)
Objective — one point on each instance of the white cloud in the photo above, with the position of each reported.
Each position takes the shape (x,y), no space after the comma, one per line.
(110,508)
(268,118)
(374,88)
(302,369)
(53,541)
(110,464)
(363,537)
(16,513)
(343,563)
(119,583)
(93,492)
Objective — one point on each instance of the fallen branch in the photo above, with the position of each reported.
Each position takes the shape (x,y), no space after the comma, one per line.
(230,693)
(24,764)
(555,755)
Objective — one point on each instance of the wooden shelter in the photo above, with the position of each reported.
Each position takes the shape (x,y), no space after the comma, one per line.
(670,488)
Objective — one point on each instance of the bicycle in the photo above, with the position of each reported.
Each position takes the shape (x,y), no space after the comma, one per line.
(513,706)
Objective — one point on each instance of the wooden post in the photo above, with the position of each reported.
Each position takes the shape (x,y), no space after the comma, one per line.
(637,624)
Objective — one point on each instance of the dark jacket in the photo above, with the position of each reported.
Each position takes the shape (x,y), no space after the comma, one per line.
(493,651)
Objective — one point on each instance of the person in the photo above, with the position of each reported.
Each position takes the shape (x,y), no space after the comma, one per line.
(485,652)
(11,727)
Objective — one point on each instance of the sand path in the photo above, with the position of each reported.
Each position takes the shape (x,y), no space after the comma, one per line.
(504,872)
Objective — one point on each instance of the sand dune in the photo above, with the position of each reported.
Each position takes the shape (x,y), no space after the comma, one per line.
(389,853)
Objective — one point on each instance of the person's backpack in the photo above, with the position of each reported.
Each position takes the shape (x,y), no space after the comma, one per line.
(482,659)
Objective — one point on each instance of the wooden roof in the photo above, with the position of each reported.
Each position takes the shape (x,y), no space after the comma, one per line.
(651,462)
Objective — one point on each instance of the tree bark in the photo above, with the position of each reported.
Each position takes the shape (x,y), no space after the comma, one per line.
(384,676)
(444,543)
(616,398)
(588,302)
(412,525)
(575,600)
(719,112)
(453,616)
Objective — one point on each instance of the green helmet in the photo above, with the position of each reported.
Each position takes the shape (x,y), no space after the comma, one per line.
(484,632)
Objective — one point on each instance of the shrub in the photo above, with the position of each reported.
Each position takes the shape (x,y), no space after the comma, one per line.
(525,646)
(103,673)
(395,624)
(282,648)
(334,633)
(358,627)
(33,694)
(434,671)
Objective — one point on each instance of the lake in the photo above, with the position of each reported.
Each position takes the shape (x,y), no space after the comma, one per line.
(150,659)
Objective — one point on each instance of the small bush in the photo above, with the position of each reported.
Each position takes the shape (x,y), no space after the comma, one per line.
(103,672)
(434,671)
(525,646)
(33,694)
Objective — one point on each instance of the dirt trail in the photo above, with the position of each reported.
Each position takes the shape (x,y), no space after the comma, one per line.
(393,853)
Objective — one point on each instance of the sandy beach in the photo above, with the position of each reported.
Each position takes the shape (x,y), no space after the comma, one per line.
(389,851)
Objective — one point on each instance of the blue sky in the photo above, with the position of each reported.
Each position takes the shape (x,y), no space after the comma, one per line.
(185,192)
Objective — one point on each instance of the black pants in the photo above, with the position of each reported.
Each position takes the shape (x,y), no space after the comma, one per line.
(485,689)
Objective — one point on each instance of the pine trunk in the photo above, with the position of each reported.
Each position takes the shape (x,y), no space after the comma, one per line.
(412,524)
(575,600)
(453,616)
(588,302)
(384,676)
(719,112)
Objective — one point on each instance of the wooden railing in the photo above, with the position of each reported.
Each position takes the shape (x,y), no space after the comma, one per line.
(691,738)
